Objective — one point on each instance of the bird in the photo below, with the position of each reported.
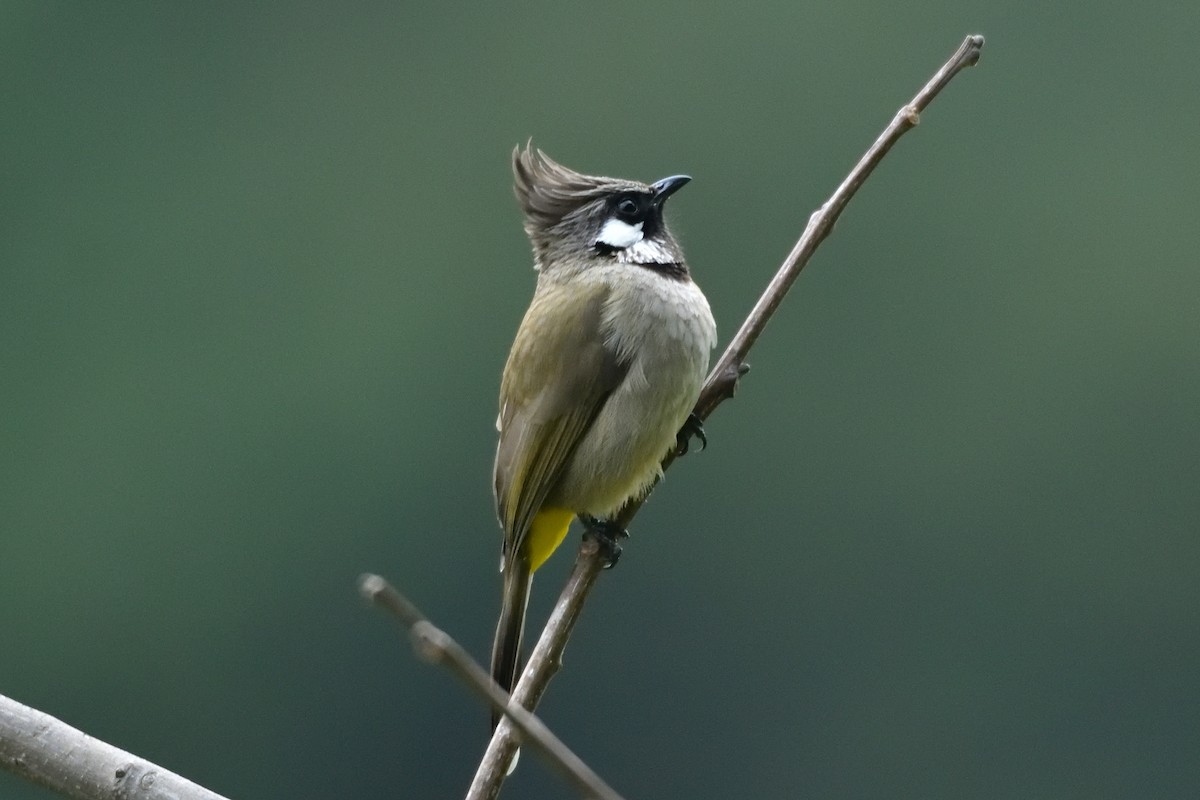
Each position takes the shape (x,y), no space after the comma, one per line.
(602,376)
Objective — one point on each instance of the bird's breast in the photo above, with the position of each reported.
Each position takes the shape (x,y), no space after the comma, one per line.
(663,319)
(662,329)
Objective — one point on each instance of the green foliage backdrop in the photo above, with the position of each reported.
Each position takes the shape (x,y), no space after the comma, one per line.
(259,268)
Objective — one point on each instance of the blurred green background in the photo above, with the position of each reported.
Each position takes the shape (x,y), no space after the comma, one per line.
(260,266)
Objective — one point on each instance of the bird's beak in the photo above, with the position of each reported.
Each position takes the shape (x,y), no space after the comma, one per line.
(668,186)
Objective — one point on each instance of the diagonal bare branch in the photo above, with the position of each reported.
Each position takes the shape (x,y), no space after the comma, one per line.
(720,386)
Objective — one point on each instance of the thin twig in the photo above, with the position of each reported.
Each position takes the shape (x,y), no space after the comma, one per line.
(437,647)
(720,386)
(50,753)
(544,662)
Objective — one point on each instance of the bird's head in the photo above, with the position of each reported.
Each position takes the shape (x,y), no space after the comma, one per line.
(579,220)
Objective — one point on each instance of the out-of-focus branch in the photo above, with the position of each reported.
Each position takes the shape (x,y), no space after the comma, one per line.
(51,753)
(719,386)
(437,647)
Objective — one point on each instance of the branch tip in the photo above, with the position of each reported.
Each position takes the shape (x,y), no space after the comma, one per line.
(969,51)
(370,585)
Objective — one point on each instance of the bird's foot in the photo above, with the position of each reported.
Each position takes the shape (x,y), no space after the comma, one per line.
(607,534)
(693,427)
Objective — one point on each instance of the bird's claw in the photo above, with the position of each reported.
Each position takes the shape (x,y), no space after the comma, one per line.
(607,534)
(692,427)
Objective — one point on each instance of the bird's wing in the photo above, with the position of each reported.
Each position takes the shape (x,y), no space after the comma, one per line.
(558,376)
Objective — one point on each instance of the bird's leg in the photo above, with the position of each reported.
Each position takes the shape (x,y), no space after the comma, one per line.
(606,533)
(692,427)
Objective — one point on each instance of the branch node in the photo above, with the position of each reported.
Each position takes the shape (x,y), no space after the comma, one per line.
(590,547)
(815,218)
(735,373)
(429,641)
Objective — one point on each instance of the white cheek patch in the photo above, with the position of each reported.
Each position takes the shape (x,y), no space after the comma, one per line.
(619,235)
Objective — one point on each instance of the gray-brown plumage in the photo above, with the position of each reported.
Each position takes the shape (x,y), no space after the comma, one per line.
(604,371)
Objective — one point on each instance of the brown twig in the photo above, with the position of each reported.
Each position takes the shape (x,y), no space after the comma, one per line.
(437,647)
(720,386)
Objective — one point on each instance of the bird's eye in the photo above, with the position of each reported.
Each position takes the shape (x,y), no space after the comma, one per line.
(628,208)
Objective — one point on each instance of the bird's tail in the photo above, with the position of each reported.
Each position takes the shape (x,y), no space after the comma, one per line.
(506,651)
